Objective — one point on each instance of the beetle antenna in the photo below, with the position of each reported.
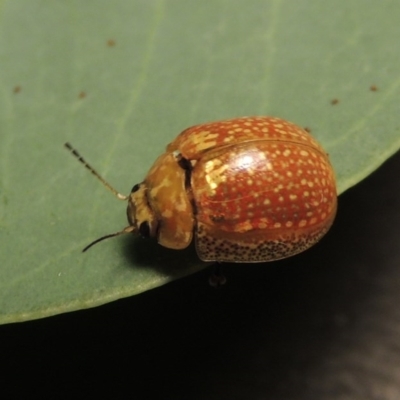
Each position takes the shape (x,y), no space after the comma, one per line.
(128,229)
(98,176)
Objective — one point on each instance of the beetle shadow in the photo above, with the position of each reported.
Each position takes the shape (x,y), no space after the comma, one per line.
(147,253)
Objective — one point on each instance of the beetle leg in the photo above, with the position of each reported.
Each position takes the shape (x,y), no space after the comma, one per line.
(217,278)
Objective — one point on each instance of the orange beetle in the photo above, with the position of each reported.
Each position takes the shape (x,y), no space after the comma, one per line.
(248,189)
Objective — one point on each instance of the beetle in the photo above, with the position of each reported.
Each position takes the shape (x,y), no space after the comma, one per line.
(247,190)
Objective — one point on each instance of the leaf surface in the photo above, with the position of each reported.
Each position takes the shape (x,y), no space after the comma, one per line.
(119,80)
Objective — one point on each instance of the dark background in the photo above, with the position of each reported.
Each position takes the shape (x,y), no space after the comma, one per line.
(322,325)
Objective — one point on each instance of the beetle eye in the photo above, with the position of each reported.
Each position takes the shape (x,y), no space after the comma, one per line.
(135,188)
(144,229)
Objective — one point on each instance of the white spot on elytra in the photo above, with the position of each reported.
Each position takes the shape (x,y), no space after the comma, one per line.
(167,213)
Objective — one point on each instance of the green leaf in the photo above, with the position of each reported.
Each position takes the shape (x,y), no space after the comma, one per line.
(119,80)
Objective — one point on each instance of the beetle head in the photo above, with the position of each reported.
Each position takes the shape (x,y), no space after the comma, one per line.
(140,215)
